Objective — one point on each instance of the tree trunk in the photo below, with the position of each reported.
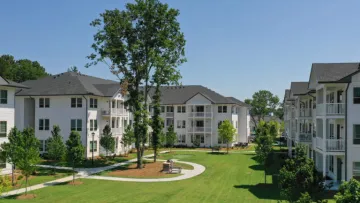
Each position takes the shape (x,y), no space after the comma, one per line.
(155,154)
(73,172)
(12,174)
(227,148)
(265,175)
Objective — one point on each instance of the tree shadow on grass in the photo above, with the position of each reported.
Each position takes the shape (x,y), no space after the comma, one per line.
(257,167)
(262,191)
(217,153)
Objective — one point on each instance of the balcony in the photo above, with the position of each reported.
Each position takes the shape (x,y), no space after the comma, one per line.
(305,138)
(331,145)
(113,112)
(115,131)
(199,130)
(200,114)
(169,114)
(305,113)
(330,109)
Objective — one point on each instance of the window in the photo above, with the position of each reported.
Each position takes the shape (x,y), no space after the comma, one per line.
(356,95)
(162,109)
(93,125)
(202,139)
(181,138)
(222,109)
(93,103)
(3,96)
(181,124)
(356,130)
(170,109)
(331,163)
(3,128)
(181,109)
(76,102)
(93,146)
(44,124)
(41,145)
(44,102)
(356,170)
(169,121)
(219,124)
(76,125)
(199,123)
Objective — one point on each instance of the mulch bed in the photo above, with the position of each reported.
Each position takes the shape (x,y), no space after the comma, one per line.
(28,196)
(150,170)
(76,182)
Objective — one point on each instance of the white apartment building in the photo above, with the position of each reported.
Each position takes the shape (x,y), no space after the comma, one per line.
(196,113)
(328,112)
(7,115)
(75,102)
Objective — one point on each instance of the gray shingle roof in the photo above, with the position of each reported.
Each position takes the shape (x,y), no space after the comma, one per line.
(299,88)
(333,72)
(9,83)
(238,101)
(70,83)
(181,94)
(286,95)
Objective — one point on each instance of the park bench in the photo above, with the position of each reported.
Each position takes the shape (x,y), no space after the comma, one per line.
(169,167)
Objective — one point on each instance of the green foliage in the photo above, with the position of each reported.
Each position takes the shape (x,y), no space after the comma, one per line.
(134,41)
(196,142)
(157,123)
(274,128)
(128,137)
(282,127)
(349,192)
(27,153)
(226,133)
(73,69)
(74,150)
(55,145)
(20,70)
(262,104)
(5,184)
(299,175)
(170,136)
(107,141)
(264,142)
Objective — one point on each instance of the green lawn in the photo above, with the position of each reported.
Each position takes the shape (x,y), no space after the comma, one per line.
(227,178)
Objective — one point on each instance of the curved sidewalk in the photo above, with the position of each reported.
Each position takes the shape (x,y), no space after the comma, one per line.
(186,174)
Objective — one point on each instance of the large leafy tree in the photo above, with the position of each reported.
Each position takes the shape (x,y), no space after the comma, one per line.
(264,142)
(8,150)
(55,145)
(128,137)
(299,175)
(27,154)
(349,192)
(157,123)
(134,42)
(170,137)
(20,70)
(74,150)
(107,141)
(262,104)
(226,133)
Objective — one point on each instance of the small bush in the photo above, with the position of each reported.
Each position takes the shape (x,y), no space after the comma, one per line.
(20,177)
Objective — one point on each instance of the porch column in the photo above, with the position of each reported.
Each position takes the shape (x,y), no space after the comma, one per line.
(289,142)
(324,133)
(324,165)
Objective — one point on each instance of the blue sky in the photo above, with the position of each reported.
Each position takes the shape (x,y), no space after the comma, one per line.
(235,47)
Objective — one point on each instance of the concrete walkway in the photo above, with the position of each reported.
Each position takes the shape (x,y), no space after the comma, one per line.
(186,174)
(87,172)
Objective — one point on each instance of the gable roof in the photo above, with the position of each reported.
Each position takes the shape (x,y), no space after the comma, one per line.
(333,72)
(238,102)
(299,88)
(70,83)
(9,83)
(171,95)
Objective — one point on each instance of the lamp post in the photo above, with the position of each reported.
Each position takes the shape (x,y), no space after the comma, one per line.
(92,148)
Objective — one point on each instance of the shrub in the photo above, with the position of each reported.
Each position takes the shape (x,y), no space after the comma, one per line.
(20,177)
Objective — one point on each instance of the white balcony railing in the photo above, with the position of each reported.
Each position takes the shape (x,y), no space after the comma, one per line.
(116,130)
(199,129)
(330,109)
(113,111)
(200,114)
(305,113)
(332,145)
(169,114)
(305,137)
